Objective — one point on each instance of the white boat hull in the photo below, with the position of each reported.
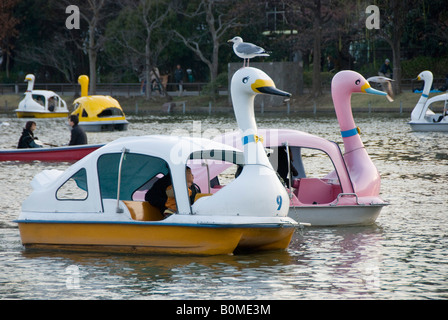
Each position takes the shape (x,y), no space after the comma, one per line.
(434,126)
(325,216)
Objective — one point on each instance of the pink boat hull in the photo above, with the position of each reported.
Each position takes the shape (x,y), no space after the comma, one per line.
(56,154)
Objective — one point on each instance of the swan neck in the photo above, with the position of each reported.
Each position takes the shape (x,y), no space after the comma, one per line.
(244,113)
(427,87)
(30,86)
(349,131)
(253,149)
(343,111)
(418,111)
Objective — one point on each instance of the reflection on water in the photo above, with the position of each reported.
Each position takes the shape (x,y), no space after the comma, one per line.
(402,256)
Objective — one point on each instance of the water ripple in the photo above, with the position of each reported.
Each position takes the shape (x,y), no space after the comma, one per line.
(402,256)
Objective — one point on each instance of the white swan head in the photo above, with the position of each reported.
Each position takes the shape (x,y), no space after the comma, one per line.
(30,79)
(425,76)
(246,84)
(249,82)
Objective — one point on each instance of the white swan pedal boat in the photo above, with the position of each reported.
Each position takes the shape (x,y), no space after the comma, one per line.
(423,118)
(40,103)
(96,204)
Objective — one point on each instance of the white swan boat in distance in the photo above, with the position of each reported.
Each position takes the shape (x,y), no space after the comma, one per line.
(422,117)
(40,103)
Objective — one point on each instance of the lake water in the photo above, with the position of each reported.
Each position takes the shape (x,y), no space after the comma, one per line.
(403,256)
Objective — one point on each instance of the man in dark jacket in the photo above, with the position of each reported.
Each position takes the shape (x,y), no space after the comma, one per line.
(27,139)
(78,136)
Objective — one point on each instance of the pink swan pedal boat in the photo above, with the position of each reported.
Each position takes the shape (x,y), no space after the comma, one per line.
(327,188)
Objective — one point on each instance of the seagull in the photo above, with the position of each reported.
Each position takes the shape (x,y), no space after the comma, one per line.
(386,84)
(247,50)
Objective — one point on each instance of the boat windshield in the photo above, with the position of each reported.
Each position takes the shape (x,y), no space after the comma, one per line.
(314,179)
(110,112)
(136,171)
(213,169)
(40,99)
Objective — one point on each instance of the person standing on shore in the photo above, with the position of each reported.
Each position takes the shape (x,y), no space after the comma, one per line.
(179,78)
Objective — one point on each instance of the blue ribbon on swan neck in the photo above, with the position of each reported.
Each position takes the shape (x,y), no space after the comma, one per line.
(350,133)
(252,138)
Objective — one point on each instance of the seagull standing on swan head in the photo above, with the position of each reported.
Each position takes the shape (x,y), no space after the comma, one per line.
(246,50)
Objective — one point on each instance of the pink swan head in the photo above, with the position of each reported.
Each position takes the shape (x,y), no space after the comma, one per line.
(345,83)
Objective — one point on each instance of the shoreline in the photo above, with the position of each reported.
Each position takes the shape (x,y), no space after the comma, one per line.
(304,104)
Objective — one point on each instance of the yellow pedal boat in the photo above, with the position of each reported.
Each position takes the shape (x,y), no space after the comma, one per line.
(98,113)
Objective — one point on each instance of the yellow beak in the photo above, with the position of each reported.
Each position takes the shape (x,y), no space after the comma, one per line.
(268,87)
(366,88)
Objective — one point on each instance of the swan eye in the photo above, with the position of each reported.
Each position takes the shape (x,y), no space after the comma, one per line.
(245,79)
(357,82)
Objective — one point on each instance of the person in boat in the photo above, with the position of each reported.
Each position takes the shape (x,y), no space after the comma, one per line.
(27,139)
(78,136)
(51,104)
(282,169)
(161,195)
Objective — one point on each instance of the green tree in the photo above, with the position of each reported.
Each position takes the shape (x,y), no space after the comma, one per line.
(205,25)
(136,37)
(8,30)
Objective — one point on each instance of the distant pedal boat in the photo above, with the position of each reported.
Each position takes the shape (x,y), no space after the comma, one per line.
(41,103)
(422,117)
(98,113)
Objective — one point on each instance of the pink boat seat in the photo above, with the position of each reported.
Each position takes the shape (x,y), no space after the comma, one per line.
(315,191)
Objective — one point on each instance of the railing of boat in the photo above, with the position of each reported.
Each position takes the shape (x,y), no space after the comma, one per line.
(123,151)
(346,194)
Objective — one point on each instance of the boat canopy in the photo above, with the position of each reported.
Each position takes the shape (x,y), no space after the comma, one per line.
(123,167)
(96,108)
(42,100)
(296,140)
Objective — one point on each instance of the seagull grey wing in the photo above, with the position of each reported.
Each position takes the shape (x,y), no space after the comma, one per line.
(385,84)
(248,48)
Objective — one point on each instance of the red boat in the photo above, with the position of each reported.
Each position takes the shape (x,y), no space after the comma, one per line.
(56,154)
